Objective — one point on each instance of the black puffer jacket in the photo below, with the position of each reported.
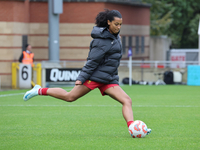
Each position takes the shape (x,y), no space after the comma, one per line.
(103,59)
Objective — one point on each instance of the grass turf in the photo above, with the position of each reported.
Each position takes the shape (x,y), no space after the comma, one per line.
(96,122)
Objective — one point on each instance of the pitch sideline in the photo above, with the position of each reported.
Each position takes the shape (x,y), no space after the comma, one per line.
(14,94)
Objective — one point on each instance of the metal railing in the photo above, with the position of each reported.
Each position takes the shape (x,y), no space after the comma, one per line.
(158,64)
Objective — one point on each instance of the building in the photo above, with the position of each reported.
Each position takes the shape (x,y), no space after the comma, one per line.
(24,21)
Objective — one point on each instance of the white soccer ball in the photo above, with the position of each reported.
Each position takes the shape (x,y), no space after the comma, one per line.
(138,129)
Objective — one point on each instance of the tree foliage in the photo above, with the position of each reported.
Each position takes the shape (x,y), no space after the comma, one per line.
(178,19)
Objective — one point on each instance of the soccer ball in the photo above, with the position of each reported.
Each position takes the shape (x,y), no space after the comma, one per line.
(138,129)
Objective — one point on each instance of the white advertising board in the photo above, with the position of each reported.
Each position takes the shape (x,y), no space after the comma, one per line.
(178,59)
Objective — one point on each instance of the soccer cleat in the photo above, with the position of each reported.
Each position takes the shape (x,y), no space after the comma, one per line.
(31,93)
(148,131)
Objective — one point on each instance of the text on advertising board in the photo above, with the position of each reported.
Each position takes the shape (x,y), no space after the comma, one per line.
(62,75)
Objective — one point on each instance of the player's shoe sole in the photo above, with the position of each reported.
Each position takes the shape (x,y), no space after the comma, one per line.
(31,93)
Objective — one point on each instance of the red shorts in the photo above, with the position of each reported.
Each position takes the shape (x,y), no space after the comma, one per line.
(102,87)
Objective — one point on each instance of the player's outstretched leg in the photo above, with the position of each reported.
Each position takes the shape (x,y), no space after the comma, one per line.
(59,93)
(33,92)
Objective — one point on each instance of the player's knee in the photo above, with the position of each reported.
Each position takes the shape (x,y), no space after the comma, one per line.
(70,98)
(128,101)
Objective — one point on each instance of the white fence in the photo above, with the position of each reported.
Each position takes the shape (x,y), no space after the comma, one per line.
(153,69)
(159,64)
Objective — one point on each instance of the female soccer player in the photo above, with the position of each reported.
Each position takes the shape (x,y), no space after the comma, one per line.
(101,69)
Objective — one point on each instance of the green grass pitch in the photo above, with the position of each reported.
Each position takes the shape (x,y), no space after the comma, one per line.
(95,122)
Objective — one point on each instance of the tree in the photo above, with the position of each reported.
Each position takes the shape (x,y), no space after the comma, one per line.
(178,19)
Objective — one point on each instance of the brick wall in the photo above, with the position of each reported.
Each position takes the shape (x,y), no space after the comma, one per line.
(14,11)
(39,12)
(82,12)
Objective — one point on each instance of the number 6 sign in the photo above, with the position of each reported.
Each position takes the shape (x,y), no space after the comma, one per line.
(25,75)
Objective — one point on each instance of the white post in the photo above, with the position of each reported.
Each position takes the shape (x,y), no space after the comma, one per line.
(130,70)
(156,64)
(199,41)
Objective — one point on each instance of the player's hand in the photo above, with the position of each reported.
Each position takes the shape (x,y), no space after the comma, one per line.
(78,82)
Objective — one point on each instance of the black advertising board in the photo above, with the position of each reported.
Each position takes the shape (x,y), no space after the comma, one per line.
(62,74)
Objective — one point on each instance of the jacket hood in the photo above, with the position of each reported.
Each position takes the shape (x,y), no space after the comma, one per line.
(101,32)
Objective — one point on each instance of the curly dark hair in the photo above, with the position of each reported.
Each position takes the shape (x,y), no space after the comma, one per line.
(104,16)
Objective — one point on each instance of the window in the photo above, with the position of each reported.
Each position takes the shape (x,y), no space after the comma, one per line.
(130,42)
(123,44)
(24,42)
(137,44)
(142,44)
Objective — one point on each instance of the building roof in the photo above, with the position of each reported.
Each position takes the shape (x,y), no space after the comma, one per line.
(124,2)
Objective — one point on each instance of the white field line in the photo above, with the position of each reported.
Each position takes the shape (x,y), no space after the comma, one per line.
(7,95)
(175,106)
(14,94)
